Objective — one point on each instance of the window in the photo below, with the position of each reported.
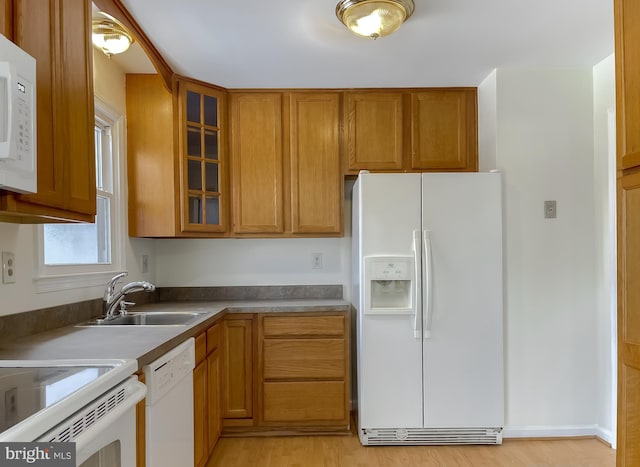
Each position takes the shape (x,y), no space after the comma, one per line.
(88,251)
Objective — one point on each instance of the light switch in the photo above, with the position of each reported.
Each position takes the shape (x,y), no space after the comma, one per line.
(550,209)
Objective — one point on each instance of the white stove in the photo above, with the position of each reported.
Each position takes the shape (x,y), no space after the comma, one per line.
(89,402)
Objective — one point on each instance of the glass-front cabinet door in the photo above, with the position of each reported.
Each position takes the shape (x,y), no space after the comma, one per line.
(203,158)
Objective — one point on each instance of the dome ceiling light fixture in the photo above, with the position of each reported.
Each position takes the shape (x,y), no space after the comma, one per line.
(109,35)
(373,18)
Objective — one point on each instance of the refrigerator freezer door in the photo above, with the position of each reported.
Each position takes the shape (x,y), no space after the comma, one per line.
(389,356)
(463,359)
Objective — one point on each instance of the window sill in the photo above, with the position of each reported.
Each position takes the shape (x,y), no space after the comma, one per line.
(60,282)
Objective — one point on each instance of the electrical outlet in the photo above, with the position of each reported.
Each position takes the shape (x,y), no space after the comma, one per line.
(316,261)
(8,267)
(145,263)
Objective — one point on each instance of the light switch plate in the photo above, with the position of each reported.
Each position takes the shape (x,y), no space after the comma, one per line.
(550,211)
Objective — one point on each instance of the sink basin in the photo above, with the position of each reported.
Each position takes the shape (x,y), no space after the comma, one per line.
(154,318)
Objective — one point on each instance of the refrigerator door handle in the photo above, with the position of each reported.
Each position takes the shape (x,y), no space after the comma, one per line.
(417,285)
(427,297)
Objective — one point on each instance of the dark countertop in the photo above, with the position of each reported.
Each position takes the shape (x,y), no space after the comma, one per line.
(147,343)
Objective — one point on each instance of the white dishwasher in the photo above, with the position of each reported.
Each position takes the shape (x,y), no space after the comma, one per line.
(169,407)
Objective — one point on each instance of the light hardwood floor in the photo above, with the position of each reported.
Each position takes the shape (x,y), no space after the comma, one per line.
(346,451)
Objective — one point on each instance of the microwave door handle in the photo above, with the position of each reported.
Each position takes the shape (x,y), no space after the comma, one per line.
(428,287)
(417,281)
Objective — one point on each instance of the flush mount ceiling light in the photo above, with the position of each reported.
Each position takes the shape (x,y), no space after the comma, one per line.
(373,18)
(110,36)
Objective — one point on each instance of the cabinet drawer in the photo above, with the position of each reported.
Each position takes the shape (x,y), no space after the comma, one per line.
(304,358)
(298,326)
(304,401)
(201,347)
(213,338)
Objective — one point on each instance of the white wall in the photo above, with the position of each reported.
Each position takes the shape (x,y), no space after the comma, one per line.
(545,150)
(233,262)
(604,100)
(21,239)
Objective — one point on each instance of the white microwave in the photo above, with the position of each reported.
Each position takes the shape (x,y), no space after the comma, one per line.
(18,160)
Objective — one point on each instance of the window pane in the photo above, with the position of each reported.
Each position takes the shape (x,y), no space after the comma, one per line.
(213,210)
(211,145)
(211,176)
(193,107)
(79,243)
(195,210)
(210,111)
(98,148)
(194,175)
(193,142)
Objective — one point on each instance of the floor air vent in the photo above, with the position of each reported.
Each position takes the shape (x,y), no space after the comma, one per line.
(429,436)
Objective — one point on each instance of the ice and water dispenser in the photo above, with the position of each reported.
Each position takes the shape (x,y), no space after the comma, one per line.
(389,284)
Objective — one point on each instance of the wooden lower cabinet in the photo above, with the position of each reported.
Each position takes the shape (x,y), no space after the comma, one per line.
(237,409)
(206,395)
(304,402)
(286,372)
(304,377)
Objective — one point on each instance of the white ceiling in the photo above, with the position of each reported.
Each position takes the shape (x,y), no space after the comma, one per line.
(301,43)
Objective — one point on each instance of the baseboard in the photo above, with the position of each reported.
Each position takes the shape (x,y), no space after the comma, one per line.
(606,436)
(570,431)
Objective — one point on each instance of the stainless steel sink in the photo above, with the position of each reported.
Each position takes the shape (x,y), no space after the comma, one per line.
(153,318)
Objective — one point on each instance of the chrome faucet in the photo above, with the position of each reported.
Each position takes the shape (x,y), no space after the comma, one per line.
(112,298)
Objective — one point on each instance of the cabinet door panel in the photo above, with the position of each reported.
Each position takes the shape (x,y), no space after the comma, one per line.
(304,401)
(238,383)
(201,123)
(214,419)
(316,181)
(79,115)
(443,135)
(6,18)
(304,358)
(628,82)
(257,162)
(299,326)
(200,396)
(374,130)
(32,16)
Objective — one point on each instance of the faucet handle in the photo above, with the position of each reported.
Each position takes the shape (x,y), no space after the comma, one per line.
(108,294)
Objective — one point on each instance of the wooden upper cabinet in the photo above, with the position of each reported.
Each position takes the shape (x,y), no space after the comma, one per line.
(176,159)
(201,129)
(58,35)
(6,18)
(257,162)
(285,163)
(316,180)
(374,130)
(151,158)
(628,83)
(444,130)
(411,130)
(627,56)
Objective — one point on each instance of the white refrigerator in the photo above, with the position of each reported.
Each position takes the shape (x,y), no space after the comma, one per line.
(427,288)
